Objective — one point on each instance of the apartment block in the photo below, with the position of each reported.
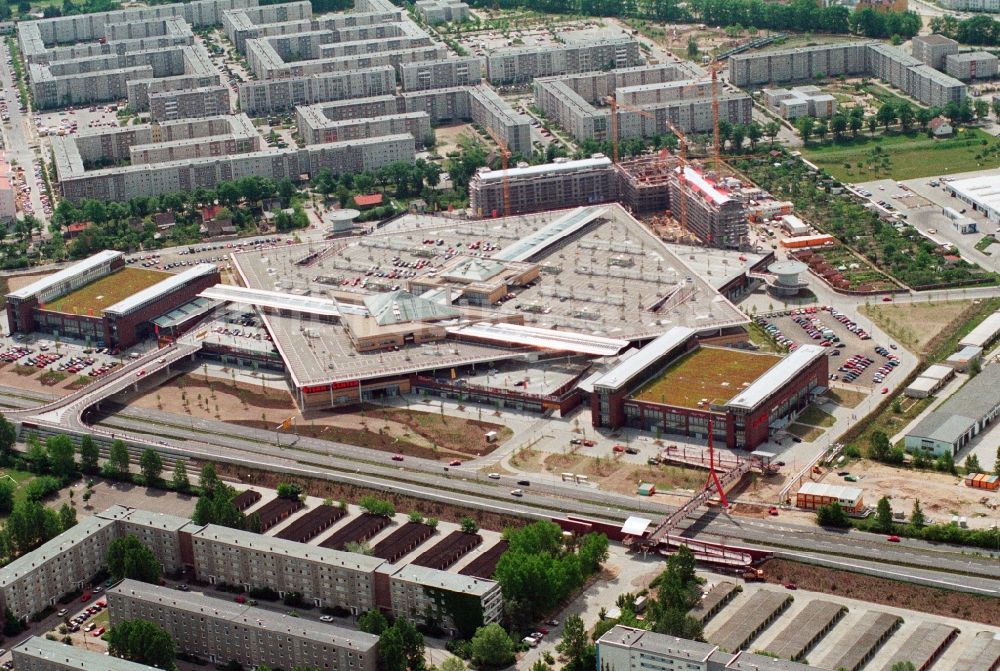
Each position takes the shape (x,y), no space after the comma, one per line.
(274,96)
(221,630)
(561,103)
(972,5)
(418,592)
(491,111)
(439,11)
(266,63)
(801,101)
(535,188)
(189,103)
(932,49)
(41,654)
(445,73)
(712,214)
(805,63)
(907,73)
(316,128)
(580,52)
(971,65)
(627,649)
(158,531)
(450,104)
(139,90)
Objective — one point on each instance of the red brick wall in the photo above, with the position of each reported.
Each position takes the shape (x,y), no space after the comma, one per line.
(127,326)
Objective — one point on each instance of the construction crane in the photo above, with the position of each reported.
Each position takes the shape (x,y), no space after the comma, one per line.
(504,160)
(614,122)
(681,176)
(713,67)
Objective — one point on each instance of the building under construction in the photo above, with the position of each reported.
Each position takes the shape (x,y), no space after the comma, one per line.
(643,183)
(712,214)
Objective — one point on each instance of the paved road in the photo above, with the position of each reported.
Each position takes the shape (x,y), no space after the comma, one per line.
(20,137)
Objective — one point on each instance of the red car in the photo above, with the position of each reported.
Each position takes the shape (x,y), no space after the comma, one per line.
(588,443)
(618,448)
(397,457)
(240,599)
(791,585)
(97,632)
(454,462)
(893,539)
(772,511)
(887,299)
(85,597)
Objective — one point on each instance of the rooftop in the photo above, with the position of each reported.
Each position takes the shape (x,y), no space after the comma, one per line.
(53,280)
(833,491)
(165,286)
(107,292)
(712,374)
(400,307)
(984,190)
(446,580)
(623,373)
(596,162)
(71,656)
(778,376)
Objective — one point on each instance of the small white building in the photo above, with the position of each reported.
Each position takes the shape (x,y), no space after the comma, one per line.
(922,387)
(794,226)
(963,359)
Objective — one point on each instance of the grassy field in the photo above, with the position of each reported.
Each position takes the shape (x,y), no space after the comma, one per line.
(914,155)
(814,416)
(106,291)
(709,372)
(917,325)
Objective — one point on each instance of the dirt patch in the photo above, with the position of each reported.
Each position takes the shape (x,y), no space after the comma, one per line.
(457,434)
(941,495)
(78,383)
(916,325)
(343,492)
(375,440)
(527,460)
(888,592)
(448,137)
(52,378)
(15,283)
(25,371)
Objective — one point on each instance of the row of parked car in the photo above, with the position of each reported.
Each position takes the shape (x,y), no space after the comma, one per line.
(776,334)
(851,325)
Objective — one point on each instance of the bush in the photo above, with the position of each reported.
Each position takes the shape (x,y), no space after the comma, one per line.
(42,486)
(461,648)
(264,594)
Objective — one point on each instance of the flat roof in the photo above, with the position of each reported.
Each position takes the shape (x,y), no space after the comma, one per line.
(161,288)
(833,491)
(938,371)
(922,383)
(700,182)
(985,332)
(89,263)
(624,372)
(635,526)
(100,295)
(270,544)
(61,543)
(71,656)
(487,175)
(984,190)
(713,374)
(249,616)
(777,377)
(446,580)
(568,341)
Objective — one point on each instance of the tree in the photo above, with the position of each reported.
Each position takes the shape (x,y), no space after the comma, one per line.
(88,455)
(593,551)
(413,643)
(574,640)
(771,129)
(372,622)
(883,516)
(469,525)
(151,465)
(376,506)
(143,642)
(6,497)
(886,115)
(872,123)
(208,480)
(917,516)
(754,133)
(996,107)
(692,48)
(972,464)
(180,477)
(879,446)
(492,647)
(128,557)
(855,123)
(822,128)
(452,664)
(289,490)
(805,125)
(906,115)
(390,651)
(67,516)
(8,437)
(838,124)
(903,666)
(832,515)
(118,459)
(60,451)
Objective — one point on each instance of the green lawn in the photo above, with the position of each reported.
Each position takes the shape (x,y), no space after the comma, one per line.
(914,155)
(20,478)
(814,416)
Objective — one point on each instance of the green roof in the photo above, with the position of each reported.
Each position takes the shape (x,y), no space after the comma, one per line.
(399,307)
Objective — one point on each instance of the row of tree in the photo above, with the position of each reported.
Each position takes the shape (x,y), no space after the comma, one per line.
(979,29)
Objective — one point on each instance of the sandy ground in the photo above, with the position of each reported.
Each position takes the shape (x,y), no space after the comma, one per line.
(941,496)
(447,137)
(916,324)
(107,493)
(33,383)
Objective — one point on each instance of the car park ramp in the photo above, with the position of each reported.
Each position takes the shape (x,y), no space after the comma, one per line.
(806,630)
(982,654)
(921,648)
(714,600)
(860,643)
(750,620)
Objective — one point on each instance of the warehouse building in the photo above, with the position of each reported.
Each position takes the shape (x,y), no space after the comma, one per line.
(581,51)
(712,214)
(933,49)
(221,631)
(971,65)
(980,193)
(813,495)
(275,96)
(909,74)
(626,649)
(189,103)
(439,11)
(444,73)
(536,188)
(674,385)
(983,335)
(953,424)
(41,654)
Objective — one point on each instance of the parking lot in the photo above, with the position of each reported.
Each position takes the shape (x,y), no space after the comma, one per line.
(180,257)
(855,358)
